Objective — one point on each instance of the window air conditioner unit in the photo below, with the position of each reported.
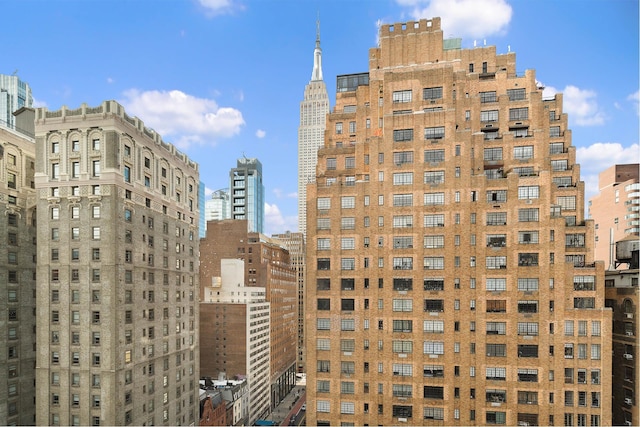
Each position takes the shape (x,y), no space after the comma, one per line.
(629,315)
(629,333)
(628,356)
(627,423)
(628,401)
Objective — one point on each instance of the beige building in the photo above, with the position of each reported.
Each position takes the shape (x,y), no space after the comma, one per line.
(17,271)
(615,209)
(294,243)
(117,272)
(455,149)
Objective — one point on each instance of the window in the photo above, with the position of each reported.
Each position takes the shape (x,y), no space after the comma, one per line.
(434,177)
(433,156)
(488,97)
(402,157)
(528,215)
(489,116)
(434,132)
(431,199)
(516,94)
(496,350)
(403,178)
(433,263)
(492,154)
(523,152)
(402,135)
(528,192)
(401,96)
(402,221)
(496,284)
(518,113)
(400,200)
(433,347)
(432,93)
(433,326)
(496,218)
(348,202)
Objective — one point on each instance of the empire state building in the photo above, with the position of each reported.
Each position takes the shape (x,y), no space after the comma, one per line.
(313,113)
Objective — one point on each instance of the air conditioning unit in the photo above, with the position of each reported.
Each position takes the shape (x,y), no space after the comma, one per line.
(627,423)
(628,401)
(628,356)
(629,315)
(629,333)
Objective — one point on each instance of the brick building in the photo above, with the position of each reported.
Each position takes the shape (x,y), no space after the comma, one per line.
(266,264)
(498,316)
(615,210)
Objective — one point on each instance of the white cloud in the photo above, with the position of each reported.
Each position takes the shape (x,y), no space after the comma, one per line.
(261,133)
(208,192)
(37,103)
(464,18)
(597,157)
(110,80)
(635,99)
(280,194)
(220,7)
(581,105)
(275,222)
(183,119)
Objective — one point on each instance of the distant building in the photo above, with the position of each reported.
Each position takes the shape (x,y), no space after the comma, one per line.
(235,332)
(615,209)
(623,296)
(313,114)
(218,206)
(14,94)
(117,272)
(267,264)
(451,278)
(224,402)
(17,273)
(294,243)
(247,193)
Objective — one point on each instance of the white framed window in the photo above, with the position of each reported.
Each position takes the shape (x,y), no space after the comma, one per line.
(348,202)
(433,347)
(433,199)
(496,284)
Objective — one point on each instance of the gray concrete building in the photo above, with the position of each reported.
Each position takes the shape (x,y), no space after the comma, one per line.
(17,274)
(117,272)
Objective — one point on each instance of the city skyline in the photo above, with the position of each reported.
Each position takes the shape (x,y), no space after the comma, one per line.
(236,80)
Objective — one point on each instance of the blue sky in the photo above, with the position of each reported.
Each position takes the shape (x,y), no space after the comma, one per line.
(224,78)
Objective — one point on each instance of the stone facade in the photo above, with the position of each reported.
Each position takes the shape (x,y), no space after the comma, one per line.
(118,245)
(17,277)
(455,149)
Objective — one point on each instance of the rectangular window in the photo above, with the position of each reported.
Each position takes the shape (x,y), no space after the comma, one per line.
(523,153)
(528,215)
(432,93)
(489,116)
(402,157)
(400,200)
(516,94)
(431,199)
(496,284)
(528,192)
(401,96)
(492,154)
(403,178)
(519,113)
(436,220)
(348,202)
(402,135)
(433,263)
(434,177)
(433,156)
(434,132)
(433,347)
(488,97)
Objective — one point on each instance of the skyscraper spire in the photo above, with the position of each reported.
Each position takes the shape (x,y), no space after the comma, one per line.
(317,54)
